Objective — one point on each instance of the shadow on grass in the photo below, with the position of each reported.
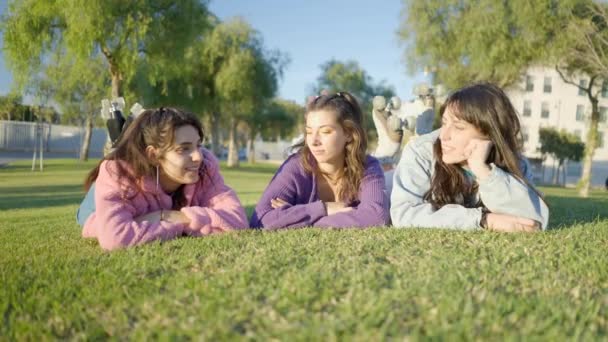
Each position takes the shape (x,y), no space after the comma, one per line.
(249,210)
(569,210)
(24,197)
(49,165)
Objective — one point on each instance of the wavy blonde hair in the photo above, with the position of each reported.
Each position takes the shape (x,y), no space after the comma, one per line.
(350,118)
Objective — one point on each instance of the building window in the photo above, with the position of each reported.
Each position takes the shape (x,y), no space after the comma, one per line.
(603,114)
(600,139)
(529,83)
(547,85)
(527,108)
(544,110)
(582,84)
(605,89)
(580,113)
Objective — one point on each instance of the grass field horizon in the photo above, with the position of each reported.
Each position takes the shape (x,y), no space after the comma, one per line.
(303,284)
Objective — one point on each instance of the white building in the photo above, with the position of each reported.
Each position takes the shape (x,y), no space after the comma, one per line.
(543,99)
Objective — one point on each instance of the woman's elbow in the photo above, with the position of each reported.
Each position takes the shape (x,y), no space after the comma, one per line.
(111,243)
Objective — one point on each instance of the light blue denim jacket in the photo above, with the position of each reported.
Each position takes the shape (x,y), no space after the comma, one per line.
(501,193)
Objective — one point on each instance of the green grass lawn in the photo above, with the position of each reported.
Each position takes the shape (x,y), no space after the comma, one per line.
(305,284)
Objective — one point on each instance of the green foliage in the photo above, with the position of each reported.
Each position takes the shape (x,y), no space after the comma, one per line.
(77,86)
(126,34)
(303,284)
(344,76)
(561,144)
(11,108)
(349,76)
(483,40)
(585,42)
(280,118)
(243,74)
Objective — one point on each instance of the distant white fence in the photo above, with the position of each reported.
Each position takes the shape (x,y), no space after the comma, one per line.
(267,150)
(22,136)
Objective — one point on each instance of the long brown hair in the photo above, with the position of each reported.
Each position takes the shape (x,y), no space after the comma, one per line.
(350,118)
(488,108)
(153,127)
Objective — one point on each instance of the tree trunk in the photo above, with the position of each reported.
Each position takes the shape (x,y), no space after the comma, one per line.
(233,153)
(86,142)
(590,145)
(542,168)
(554,172)
(564,172)
(215,134)
(116,81)
(251,147)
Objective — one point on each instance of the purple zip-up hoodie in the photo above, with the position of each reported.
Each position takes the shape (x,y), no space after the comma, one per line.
(299,188)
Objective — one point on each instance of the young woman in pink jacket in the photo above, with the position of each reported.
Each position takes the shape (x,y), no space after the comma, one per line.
(159,184)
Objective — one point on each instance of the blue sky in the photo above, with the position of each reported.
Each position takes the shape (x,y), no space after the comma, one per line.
(313,32)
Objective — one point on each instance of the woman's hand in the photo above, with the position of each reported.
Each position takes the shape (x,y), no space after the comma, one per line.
(172,216)
(152,217)
(330,207)
(175,216)
(277,203)
(336,207)
(510,224)
(477,152)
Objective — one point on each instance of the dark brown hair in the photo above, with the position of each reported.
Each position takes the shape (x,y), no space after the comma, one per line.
(350,118)
(153,127)
(488,108)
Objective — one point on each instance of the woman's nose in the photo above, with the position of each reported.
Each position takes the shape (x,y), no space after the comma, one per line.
(197,155)
(314,139)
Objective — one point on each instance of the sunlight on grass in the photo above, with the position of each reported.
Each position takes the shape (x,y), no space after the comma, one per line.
(307,284)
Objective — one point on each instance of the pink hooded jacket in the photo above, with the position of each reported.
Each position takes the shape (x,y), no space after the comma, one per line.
(211,206)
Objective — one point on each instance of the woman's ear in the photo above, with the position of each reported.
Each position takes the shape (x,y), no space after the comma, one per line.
(152,153)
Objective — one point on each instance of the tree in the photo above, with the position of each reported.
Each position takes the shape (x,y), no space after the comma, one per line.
(349,76)
(562,146)
(9,104)
(585,54)
(11,108)
(276,120)
(123,33)
(243,75)
(480,40)
(78,88)
(281,119)
(486,40)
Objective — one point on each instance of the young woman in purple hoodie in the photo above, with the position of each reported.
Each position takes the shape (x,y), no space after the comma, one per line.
(330,181)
